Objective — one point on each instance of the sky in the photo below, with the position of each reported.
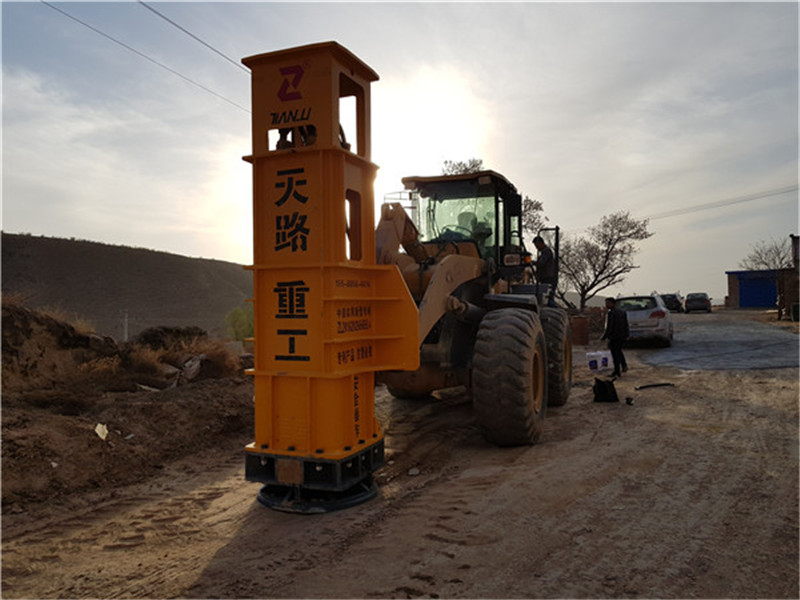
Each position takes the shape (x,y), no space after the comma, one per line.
(124,129)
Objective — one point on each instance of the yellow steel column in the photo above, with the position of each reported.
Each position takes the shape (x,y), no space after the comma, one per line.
(326,317)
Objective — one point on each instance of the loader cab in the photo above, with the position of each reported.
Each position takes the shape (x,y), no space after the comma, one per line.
(476,213)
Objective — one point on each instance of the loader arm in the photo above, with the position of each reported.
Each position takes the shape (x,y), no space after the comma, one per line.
(396,229)
(450,273)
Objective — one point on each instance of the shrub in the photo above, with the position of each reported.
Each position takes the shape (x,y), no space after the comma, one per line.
(240,322)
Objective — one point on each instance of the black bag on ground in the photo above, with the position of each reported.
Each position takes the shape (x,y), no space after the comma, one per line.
(604,391)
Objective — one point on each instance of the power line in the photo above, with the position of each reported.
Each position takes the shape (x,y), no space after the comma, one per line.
(193,36)
(152,60)
(709,205)
(720,203)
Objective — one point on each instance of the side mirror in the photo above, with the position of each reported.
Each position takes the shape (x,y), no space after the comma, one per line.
(514,205)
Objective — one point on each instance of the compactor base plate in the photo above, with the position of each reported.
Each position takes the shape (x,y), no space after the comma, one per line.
(294,499)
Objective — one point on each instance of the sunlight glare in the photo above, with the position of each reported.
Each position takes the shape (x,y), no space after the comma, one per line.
(229,208)
(421,121)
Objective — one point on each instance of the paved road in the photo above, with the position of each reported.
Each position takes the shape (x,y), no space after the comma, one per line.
(725,341)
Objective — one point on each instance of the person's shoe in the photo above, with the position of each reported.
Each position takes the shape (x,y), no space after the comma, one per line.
(615,374)
(625,368)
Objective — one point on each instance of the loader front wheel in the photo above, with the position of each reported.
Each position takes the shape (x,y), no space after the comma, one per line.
(509,377)
(558,335)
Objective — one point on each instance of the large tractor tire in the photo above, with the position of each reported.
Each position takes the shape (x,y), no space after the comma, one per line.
(558,335)
(509,377)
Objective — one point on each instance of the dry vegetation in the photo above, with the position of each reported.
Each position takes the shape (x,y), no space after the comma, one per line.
(61,380)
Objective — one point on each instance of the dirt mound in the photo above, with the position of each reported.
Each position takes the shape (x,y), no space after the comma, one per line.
(121,290)
(40,352)
(80,412)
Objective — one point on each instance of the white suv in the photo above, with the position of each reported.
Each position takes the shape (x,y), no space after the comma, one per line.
(648,318)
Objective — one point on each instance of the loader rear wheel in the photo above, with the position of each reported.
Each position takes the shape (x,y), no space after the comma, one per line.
(558,335)
(509,377)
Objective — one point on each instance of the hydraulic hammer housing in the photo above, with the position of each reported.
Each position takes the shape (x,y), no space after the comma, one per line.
(326,316)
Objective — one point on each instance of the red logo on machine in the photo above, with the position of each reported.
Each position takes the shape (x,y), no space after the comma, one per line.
(291,83)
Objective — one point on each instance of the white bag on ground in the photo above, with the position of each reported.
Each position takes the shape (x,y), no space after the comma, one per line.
(599,361)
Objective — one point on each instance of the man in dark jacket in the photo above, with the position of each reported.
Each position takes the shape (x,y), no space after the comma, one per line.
(546,268)
(616,333)
(545,263)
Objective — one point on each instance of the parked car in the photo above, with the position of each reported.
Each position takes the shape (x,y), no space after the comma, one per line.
(674,302)
(698,301)
(648,318)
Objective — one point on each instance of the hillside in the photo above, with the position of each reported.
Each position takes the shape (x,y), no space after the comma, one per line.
(104,284)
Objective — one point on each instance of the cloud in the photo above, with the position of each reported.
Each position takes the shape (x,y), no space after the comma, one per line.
(644,95)
(424,116)
(112,173)
(589,107)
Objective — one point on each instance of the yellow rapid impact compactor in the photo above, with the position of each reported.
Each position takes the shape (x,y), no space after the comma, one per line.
(449,297)
(326,316)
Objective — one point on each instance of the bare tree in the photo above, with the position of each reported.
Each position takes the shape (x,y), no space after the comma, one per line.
(589,264)
(533,218)
(457,167)
(769,256)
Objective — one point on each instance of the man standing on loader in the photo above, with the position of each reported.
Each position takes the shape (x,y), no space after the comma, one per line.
(546,268)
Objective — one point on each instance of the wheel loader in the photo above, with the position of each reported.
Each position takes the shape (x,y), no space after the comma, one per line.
(484,321)
(451,301)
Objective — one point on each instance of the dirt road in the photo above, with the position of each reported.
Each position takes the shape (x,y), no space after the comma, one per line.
(690,492)
(717,341)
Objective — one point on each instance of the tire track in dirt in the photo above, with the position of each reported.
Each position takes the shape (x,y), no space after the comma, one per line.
(149,533)
(421,434)
(654,499)
(173,537)
(634,503)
